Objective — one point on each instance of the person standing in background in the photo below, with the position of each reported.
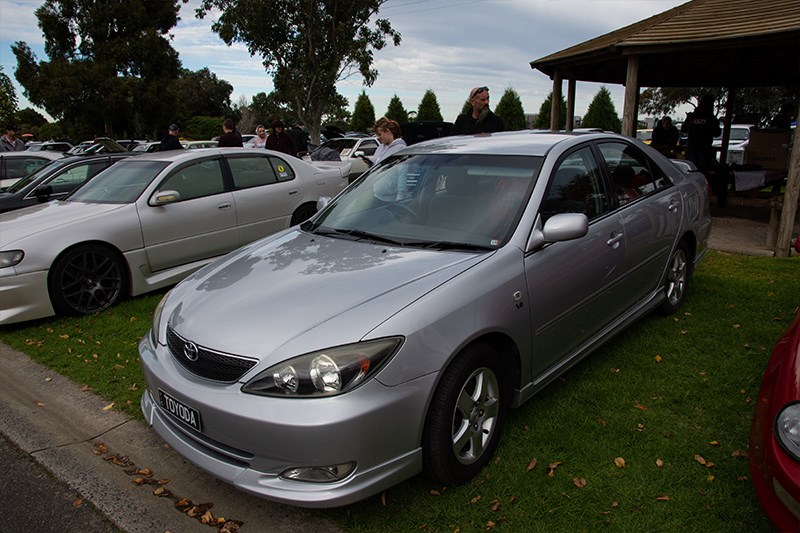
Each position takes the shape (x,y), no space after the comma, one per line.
(170,140)
(9,141)
(261,137)
(481,119)
(231,137)
(279,140)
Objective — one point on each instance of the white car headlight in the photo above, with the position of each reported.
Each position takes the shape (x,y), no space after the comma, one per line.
(787,429)
(11,258)
(156,327)
(326,372)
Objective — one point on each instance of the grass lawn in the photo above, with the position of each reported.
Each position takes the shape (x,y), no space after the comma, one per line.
(650,433)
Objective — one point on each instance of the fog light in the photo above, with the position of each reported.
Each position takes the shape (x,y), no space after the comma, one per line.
(319,474)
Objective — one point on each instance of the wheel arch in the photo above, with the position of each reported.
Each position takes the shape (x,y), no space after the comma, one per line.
(116,251)
(310,206)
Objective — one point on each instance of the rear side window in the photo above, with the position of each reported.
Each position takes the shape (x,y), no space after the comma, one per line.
(251,171)
(633,174)
(283,170)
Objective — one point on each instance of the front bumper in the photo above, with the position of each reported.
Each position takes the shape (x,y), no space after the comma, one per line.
(249,440)
(23,296)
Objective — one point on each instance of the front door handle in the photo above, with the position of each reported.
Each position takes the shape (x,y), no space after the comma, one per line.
(615,239)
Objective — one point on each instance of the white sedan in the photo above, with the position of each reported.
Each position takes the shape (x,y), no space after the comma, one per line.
(148,222)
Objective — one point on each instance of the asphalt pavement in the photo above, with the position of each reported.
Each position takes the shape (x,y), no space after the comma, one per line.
(90,458)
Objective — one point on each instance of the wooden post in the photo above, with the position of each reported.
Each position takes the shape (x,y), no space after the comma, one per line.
(726,125)
(630,112)
(570,105)
(789,200)
(555,108)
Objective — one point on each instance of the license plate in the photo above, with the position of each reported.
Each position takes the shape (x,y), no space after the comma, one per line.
(179,410)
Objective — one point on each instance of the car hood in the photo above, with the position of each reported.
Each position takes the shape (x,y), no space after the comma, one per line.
(44,217)
(297,284)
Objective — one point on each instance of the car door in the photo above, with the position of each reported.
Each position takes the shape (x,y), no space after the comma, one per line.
(199,224)
(15,167)
(651,209)
(573,285)
(67,179)
(266,193)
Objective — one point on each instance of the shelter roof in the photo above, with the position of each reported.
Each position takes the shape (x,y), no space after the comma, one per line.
(711,43)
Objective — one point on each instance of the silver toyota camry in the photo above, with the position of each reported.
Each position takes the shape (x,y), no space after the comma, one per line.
(389,334)
(147,222)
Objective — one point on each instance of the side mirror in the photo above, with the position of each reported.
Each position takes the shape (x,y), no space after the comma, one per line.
(358,153)
(558,228)
(323,202)
(166,197)
(43,193)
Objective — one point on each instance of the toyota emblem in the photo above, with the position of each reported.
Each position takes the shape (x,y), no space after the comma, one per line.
(190,351)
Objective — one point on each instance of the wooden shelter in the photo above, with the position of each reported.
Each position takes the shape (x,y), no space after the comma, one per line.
(702,43)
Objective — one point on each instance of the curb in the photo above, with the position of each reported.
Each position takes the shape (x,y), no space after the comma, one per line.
(118,463)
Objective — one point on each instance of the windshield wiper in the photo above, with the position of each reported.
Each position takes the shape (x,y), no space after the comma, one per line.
(357,234)
(449,245)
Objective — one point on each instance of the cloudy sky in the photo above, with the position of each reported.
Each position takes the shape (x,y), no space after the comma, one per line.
(448,46)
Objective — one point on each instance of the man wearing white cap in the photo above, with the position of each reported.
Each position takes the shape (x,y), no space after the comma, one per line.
(481,119)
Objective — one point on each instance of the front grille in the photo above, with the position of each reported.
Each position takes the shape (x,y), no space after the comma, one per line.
(208,364)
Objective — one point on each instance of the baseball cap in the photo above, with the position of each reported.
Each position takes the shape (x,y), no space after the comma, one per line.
(174,127)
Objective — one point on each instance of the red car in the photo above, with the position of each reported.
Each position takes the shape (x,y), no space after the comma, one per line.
(775,434)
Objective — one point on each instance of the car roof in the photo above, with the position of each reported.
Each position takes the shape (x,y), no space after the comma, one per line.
(46,154)
(526,142)
(181,155)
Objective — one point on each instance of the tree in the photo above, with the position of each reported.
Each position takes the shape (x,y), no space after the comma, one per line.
(202,127)
(201,93)
(8,98)
(467,107)
(112,61)
(601,113)
(306,45)
(509,108)
(429,107)
(545,111)
(396,111)
(363,114)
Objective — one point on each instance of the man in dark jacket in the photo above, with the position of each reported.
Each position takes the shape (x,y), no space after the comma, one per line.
(231,137)
(170,140)
(279,140)
(701,126)
(481,119)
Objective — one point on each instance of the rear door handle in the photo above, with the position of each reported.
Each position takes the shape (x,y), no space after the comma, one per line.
(223,206)
(293,191)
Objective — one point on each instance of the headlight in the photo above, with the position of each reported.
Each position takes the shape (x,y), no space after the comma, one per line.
(11,258)
(787,429)
(326,372)
(156,327)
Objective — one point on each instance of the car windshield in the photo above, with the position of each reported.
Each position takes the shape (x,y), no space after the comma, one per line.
(436,201)
(121,183)
(33,176)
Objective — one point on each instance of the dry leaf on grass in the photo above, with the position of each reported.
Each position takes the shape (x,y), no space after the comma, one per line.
(579,482)
(619,462)
(532,464)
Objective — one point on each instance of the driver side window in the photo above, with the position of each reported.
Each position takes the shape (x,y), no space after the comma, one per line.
(203,178)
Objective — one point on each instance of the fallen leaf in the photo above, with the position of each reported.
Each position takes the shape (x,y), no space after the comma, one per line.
(737,326)
(162,481)
(640,427)
(383,498)
(137,480)
(714,443)
(640,406)
(474,500)
(742,478)
(614,505)
(100,449)
(619,462)
(700,459)
(48,379)
(86,388)
(490,525)
(495,505)
(659,463)
(658,359)
(144,472)
(186,502)
(532,464)
(739,453)
(552,467)
(207,518)
(108,407)
(40,404)
(64,336)
(662,498)
(710,478)
(133,387)
(78,502)
(615,370)
(435,492)
(579,482)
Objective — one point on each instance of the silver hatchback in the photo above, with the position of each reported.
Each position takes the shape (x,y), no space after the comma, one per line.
(389,334)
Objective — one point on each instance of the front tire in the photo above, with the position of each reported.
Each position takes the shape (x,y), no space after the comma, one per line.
(303,213)
(86,280)
(676,282)
(466,416)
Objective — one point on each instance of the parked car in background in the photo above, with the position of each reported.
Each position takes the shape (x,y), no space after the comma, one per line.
(147,147)
(645,135)
(774,452)
(737,144)
(50,146)
(414,132)
(56,180)
(130,144)
(80,147)
(199,144)
(390,333)
(16,165)
(147,222)
(349,150)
